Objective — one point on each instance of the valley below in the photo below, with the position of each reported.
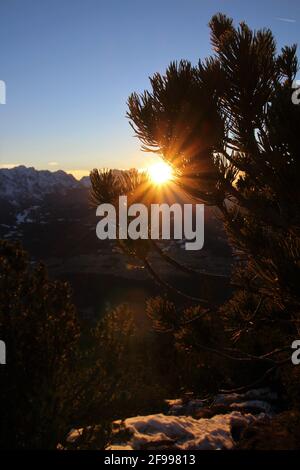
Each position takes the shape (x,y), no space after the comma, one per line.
(58,228)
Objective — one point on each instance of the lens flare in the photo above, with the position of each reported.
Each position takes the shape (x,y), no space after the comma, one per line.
(160,173)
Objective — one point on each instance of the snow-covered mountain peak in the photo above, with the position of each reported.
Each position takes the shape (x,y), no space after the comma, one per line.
(23,183)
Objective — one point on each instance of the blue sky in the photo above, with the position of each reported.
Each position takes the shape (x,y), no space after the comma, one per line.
(69,66)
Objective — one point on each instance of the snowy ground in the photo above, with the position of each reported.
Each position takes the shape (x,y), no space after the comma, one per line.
(183,432)
(186,427)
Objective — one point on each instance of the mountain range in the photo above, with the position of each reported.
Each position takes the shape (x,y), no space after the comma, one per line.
(21,185)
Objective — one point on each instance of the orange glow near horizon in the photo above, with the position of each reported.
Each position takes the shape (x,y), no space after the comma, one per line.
(78,174)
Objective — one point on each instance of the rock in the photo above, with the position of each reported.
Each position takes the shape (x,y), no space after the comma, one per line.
(282,432)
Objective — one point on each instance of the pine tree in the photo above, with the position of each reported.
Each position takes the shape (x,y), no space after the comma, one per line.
(230,130)
(40,382)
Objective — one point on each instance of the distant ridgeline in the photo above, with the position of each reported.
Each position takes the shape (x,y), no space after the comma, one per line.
(20,184)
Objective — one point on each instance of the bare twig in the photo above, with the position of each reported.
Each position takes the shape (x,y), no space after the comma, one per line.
(258,381)
(226,353)
(184,267)
(171,288)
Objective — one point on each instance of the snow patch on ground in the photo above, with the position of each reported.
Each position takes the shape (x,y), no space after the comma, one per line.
(180,407)
(74,434)
(183,432)
(21,217)
(256,394)
(192,423)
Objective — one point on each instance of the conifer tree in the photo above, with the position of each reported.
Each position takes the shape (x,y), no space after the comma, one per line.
(229,128)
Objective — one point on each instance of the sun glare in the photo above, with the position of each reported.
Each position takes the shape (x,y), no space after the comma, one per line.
(160,172)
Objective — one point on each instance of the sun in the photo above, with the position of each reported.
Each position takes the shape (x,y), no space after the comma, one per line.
(160,173)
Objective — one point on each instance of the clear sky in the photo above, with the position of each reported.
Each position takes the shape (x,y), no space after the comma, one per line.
(69,66)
